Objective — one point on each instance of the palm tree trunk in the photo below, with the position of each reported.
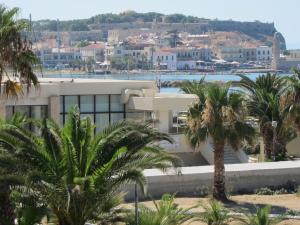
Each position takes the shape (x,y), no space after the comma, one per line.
(7,214)
(267,134)
(219,191)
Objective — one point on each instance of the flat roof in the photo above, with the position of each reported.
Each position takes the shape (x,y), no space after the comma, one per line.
(89,80)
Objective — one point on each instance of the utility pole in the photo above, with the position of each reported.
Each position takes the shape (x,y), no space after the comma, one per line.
(58,46)
(136,200)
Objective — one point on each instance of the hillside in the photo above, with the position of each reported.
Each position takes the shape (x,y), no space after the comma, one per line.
(100,24)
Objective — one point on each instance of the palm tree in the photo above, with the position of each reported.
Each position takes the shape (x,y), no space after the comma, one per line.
(165,212)
(293,96)
(17,60)
(267,101)
(262,217)
(9,176)
(215,214)
(217,115)
(78,174)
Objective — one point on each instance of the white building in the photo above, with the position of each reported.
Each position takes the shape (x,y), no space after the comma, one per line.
(121,50)
(230,53)
(164,60)
(184,53)
(93,51)
(186,64)
(264,54)
(106,102)
(55,56)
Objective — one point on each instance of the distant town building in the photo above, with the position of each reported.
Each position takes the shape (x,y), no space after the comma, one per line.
(264,54)
(165,60)
(284,62)
(53,57)
(191,53)
(249,54)
(230,54)
(124,49)
(93,51)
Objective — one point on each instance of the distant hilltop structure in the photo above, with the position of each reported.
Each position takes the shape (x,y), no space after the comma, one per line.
(97,27)
(284,60)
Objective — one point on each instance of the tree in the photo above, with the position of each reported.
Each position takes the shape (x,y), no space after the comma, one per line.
(9,176)
(218,115)
(293,96)
(166,212)
(17,60)
(174,39)
(215,214)
(79,175)
(267,101)
(262,217)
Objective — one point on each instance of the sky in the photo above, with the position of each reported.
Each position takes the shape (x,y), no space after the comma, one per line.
(284,13)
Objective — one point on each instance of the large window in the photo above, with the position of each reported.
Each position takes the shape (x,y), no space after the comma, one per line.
(31,111)
(102,109)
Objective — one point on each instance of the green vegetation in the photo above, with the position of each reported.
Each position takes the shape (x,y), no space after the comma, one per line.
(217,117)
(262,217)
(269,100)
(165,212)
(125,17)
(75,174)
(17,59)
(215,214)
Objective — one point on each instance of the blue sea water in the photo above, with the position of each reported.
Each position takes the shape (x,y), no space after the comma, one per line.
(161,77)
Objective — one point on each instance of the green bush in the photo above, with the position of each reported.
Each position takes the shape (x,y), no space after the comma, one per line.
(264,191)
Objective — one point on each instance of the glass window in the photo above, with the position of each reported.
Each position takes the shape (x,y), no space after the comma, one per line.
(102,121)
(87,103)
(39,112)
(23,109)
(61,119)
(61,104)
(102,103)
(9,111)
(115,103)
(70,101)
(116,117)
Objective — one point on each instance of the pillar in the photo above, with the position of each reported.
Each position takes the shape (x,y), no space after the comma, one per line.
(54,108)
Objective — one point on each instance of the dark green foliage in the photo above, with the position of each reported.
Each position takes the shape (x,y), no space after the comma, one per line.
(77,174)
(166,212)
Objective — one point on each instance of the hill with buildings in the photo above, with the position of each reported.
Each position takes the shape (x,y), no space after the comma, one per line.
(97,27)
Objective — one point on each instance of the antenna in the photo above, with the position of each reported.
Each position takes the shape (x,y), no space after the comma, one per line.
(58,40)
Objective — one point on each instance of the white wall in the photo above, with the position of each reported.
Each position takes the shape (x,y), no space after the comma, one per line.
(193,181)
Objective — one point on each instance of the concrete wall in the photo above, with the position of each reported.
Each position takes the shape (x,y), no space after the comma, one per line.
(194,181)
(293,147)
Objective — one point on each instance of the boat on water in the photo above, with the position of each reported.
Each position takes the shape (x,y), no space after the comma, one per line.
(101,72)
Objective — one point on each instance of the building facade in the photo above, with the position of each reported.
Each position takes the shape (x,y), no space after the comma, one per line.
(164,60)
(264,54)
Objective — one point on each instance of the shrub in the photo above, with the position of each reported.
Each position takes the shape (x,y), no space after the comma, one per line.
(264,191)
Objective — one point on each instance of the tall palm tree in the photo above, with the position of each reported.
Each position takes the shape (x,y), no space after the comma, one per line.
(293,96)
(217,115)
(165,212)
(78,174)
(266,100)
(17,59)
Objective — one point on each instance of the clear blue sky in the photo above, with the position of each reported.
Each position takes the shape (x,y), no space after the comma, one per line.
(284,13)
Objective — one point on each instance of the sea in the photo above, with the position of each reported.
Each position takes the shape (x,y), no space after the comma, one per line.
(157,77)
